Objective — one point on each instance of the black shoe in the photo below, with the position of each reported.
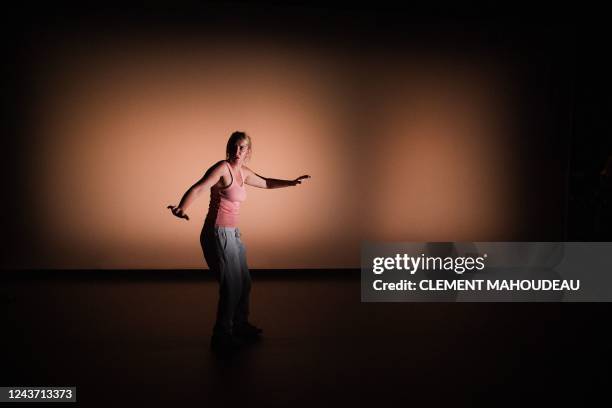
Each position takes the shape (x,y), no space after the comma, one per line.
(247,330)
(223,343)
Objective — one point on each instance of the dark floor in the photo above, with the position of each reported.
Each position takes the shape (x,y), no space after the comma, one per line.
(138,337)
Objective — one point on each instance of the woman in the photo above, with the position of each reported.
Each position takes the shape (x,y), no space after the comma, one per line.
(220,238)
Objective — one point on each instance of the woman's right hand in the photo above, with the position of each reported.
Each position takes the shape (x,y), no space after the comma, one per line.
(178,211)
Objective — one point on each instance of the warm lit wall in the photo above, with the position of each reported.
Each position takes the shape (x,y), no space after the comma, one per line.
(414,150)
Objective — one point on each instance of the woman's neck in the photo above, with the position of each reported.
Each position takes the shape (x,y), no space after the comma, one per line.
(235,164)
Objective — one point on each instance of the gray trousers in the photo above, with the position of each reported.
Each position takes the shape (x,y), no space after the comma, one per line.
(225,255)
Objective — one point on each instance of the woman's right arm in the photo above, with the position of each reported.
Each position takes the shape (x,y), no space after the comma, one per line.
(210,178)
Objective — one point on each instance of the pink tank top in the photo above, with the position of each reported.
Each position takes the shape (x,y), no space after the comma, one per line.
(225,202)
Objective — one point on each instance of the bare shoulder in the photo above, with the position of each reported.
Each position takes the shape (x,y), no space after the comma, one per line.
(246,170)
(217,170)
(220,167)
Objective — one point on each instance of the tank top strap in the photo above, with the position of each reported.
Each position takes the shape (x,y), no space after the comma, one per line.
(229,166)
(241,185)
(231,173)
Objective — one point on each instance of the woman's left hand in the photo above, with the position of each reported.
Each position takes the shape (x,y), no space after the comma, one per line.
(299,180)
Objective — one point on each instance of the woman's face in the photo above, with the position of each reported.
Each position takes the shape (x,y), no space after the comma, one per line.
(240,151)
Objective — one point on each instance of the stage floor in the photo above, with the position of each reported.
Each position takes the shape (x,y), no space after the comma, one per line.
(142,337)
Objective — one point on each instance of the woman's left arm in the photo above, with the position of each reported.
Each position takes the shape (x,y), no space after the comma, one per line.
(253,179)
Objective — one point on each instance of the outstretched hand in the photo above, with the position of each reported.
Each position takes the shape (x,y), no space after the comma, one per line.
(299,180)
(177,211)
